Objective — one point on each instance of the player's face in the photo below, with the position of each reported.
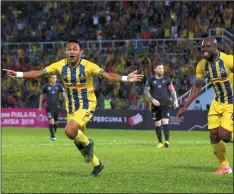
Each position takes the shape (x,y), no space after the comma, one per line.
(159,70)
(208,50)
(53,79)
(73,52)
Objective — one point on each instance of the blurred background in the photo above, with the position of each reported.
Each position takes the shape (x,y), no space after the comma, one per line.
(119,36)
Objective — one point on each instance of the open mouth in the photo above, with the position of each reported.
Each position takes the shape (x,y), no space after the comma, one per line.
(205,54)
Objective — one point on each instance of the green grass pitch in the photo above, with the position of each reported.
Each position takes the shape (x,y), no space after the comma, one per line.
(32,164)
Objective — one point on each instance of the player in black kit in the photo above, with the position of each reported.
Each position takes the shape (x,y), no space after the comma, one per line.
(158,89)
(51,93)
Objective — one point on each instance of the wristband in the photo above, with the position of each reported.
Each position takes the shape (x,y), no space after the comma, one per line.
(124,78)
(19,74)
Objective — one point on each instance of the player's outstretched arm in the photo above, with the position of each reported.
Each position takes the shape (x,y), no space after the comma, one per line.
(132,77)
(27,75)
(194,92)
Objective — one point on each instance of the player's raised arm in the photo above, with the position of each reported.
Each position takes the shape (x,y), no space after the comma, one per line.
(34,74)
(131,77)
(195,90)
(27,75)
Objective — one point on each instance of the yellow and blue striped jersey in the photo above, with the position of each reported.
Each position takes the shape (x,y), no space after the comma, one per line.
(220,73)
(78,82)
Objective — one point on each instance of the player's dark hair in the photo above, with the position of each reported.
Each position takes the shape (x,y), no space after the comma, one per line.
(77,42)
(156,65)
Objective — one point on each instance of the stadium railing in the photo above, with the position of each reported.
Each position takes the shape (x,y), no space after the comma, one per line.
(165,45)
(206,85)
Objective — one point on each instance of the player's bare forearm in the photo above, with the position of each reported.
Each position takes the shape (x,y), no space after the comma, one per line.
(132,77)
(41,100)
(32,74)
(173,94)
(195,91)
(147,93)
(112,76)
(64,97)
(27,75)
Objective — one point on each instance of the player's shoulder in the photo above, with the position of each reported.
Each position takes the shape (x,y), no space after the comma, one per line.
(201,62)
(61,62)
(150,78)
(225,57)
(86,62)
(58,84)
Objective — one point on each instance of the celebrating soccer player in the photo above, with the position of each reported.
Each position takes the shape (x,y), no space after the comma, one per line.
(157,89)
(77,76)
(218,68)
(51,93)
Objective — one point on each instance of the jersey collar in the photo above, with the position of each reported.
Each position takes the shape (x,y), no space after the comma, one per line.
(77,64)
(216,58)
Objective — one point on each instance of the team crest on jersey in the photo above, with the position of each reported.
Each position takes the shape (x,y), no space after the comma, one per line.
(163,81)
(155,82)
(49,88)
(82,76)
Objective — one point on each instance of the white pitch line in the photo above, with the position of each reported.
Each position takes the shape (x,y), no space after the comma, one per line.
(105,143)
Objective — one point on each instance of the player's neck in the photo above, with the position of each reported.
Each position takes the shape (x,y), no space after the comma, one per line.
(52,84)
(72,65)
(215,58)
(158,76)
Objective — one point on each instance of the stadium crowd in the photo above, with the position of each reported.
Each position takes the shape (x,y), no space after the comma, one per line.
(106,20)
(49,21)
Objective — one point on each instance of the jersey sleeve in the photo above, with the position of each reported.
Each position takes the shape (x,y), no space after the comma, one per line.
(230,62)
(95,69)
(51,69)
(44,90)
(148,83)
(169,84)
(62,90)
(200,70)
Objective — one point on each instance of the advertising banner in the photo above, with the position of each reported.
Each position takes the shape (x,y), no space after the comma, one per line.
(23,117)
(105,119)
(121,119)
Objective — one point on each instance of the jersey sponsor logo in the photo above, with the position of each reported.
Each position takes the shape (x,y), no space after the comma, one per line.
(159,86)
(76,86)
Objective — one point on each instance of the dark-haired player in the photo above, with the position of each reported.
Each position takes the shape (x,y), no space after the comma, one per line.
(50,92)
(157,89)
(218,68)
(77,76)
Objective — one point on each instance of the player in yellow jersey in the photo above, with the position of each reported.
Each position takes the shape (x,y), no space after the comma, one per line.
(218,68)
(77,76)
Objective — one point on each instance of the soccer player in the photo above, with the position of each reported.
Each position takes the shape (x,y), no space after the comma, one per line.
(157,89)
(77,76)
(218,68)
(51,93)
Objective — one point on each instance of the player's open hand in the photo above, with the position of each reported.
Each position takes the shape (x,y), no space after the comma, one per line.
(181,112)
(10,73)
(135,77)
